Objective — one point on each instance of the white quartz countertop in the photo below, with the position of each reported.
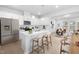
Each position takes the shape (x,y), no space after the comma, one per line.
(26,33)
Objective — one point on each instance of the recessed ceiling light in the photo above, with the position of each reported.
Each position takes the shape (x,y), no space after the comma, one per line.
(33,17)
(57,6)
(42,18)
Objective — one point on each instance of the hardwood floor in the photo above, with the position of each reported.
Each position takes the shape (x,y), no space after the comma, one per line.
(15,47)
(74,49)
(11,48)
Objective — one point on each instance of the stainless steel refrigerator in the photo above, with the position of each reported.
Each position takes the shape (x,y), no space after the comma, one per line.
(9,30)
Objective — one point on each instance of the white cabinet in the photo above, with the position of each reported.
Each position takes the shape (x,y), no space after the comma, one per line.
(72,26)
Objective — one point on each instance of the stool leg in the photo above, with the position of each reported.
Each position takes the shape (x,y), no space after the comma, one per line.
(43,46)
(50,40)
(47,43)
(61,48)
(38,46)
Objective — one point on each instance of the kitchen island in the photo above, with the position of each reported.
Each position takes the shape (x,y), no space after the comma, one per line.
(26,39)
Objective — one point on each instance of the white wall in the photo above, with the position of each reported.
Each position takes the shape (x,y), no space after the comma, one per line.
(36,21)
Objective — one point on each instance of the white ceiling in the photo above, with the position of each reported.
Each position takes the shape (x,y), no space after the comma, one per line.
(68,16)
(41,10)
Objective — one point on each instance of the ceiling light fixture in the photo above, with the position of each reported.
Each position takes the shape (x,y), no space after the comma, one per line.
(33,17)
(42,19)
(57,6)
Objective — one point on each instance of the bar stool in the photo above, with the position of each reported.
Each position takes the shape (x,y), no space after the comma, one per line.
(41,45)
(49,39)
(63,45)
(45,42)
(37,45)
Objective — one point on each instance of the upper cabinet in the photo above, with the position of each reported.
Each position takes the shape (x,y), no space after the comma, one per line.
(72,26)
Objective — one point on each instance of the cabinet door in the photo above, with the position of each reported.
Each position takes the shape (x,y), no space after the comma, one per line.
(72,26)
(15,26)
(15,29)
(77,25)
(6,39)
(65,24)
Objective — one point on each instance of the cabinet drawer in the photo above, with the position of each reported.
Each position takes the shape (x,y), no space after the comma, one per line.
(6,39)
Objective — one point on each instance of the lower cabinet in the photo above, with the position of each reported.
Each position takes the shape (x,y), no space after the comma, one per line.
(9,39)
(6,39)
